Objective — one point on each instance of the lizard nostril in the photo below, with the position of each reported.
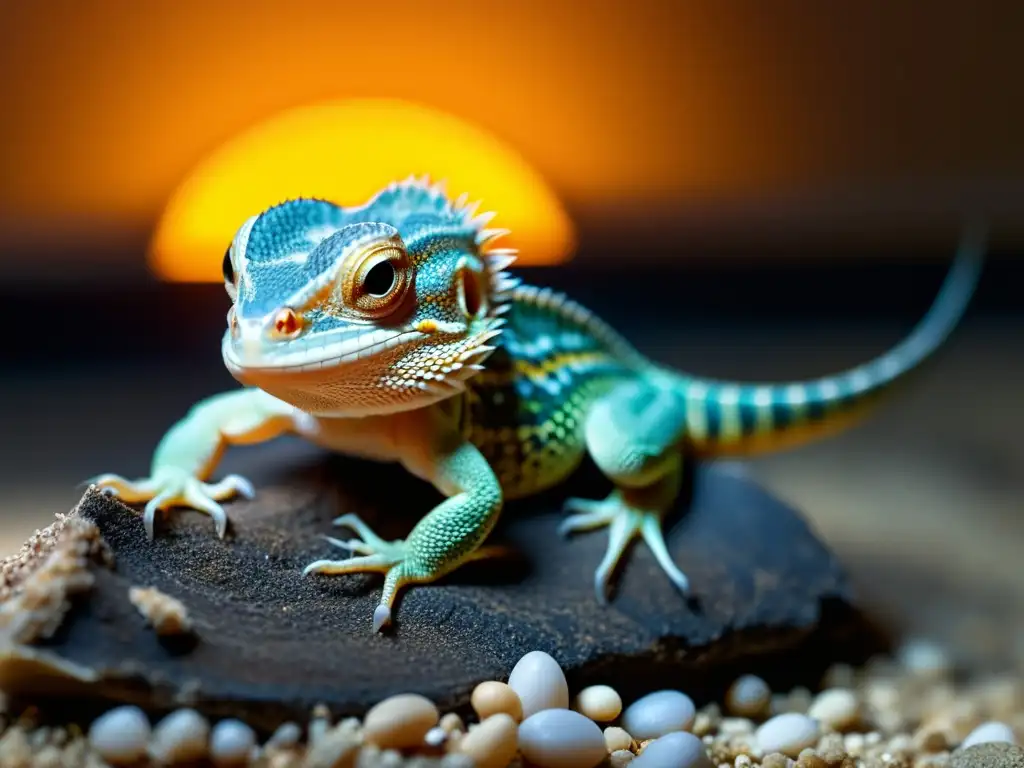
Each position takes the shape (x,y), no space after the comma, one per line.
(287,324)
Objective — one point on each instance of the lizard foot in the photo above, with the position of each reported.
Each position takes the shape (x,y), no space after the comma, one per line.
(176,488)
(372,554)
(392,558)
(624,521)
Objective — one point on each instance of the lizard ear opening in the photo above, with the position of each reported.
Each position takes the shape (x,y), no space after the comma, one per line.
(471,291)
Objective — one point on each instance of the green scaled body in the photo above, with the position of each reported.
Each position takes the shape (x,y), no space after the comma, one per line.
(393,331)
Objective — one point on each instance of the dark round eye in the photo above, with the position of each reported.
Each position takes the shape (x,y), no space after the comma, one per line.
(379,279)
(227,268)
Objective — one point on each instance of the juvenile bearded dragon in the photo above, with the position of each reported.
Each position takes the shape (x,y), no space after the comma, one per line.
(392,331)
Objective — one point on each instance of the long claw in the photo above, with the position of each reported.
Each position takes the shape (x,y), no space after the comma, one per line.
(123,488)
(620,532)
(363,531)
(584,521)
(153,506)
(381,617)
(624,523)
(655,538)
(583,506)
(369,563)
(352,545)
(230,485)
(209,506)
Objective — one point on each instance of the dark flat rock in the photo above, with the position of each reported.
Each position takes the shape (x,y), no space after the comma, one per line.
(270,644)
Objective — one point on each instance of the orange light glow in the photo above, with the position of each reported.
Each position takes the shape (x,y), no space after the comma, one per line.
(346,151)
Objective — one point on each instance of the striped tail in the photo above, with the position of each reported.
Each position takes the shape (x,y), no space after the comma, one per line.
(739,419)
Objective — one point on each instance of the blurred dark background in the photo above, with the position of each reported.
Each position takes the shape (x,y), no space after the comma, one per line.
(749,192)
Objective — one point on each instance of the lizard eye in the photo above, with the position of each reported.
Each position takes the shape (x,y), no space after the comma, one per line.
(379,279)
(376,282)
(227,268)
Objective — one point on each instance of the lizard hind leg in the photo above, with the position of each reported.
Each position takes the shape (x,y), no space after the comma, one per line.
(634,436)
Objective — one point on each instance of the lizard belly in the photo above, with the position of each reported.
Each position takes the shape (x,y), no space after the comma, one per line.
(364,438)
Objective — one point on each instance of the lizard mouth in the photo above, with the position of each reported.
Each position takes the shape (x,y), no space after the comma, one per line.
(322,352)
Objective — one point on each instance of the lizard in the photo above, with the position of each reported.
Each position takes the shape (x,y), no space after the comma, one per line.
(394,331)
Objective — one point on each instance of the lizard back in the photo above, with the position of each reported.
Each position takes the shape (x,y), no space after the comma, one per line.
(525,411)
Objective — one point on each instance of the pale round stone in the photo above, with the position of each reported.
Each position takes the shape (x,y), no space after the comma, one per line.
(674,750)
(836,707)
(400,722)
(748,696)
(493,743)
(617,739)
(181,737)
(987,733)
(436,737)
(121,735)
(286,735)
(601,703)
(492,697)
(231,742)
(924,656)
(620,758)
(561,738)
(659,713)
(788,733)
(540,683)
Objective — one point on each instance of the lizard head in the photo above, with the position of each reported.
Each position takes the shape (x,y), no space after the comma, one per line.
(368,310)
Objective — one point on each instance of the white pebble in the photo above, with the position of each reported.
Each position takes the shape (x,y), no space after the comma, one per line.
(788,733)
(540,683)
(674,750)
(659,713)
(989,732)
(748,696)
(620,758)
(924,656)
(493,743)
(436,737)
(180,737)
(561,738)
(286,735)
(599,702)
(231,742)
(617,739)
(836,707)
(400,722)
(121,735)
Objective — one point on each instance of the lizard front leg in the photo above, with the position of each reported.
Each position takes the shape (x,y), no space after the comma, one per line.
(634,434)
(450,535)
(190,451)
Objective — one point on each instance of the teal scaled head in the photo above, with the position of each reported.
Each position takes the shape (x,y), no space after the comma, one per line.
(370,309)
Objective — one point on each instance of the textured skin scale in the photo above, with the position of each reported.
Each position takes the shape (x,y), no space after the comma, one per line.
(489,389)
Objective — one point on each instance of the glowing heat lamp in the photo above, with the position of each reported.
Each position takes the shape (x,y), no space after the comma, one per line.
(345,152)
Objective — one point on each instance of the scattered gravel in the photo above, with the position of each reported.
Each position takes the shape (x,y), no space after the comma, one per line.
(600,703)
(492,697)
(561,738)
(181,737)
(231,743)
(121,736)
(789,733)
(749,696)
(911,711)
(400,722)
(539,683)
(659,713)
(674,750)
